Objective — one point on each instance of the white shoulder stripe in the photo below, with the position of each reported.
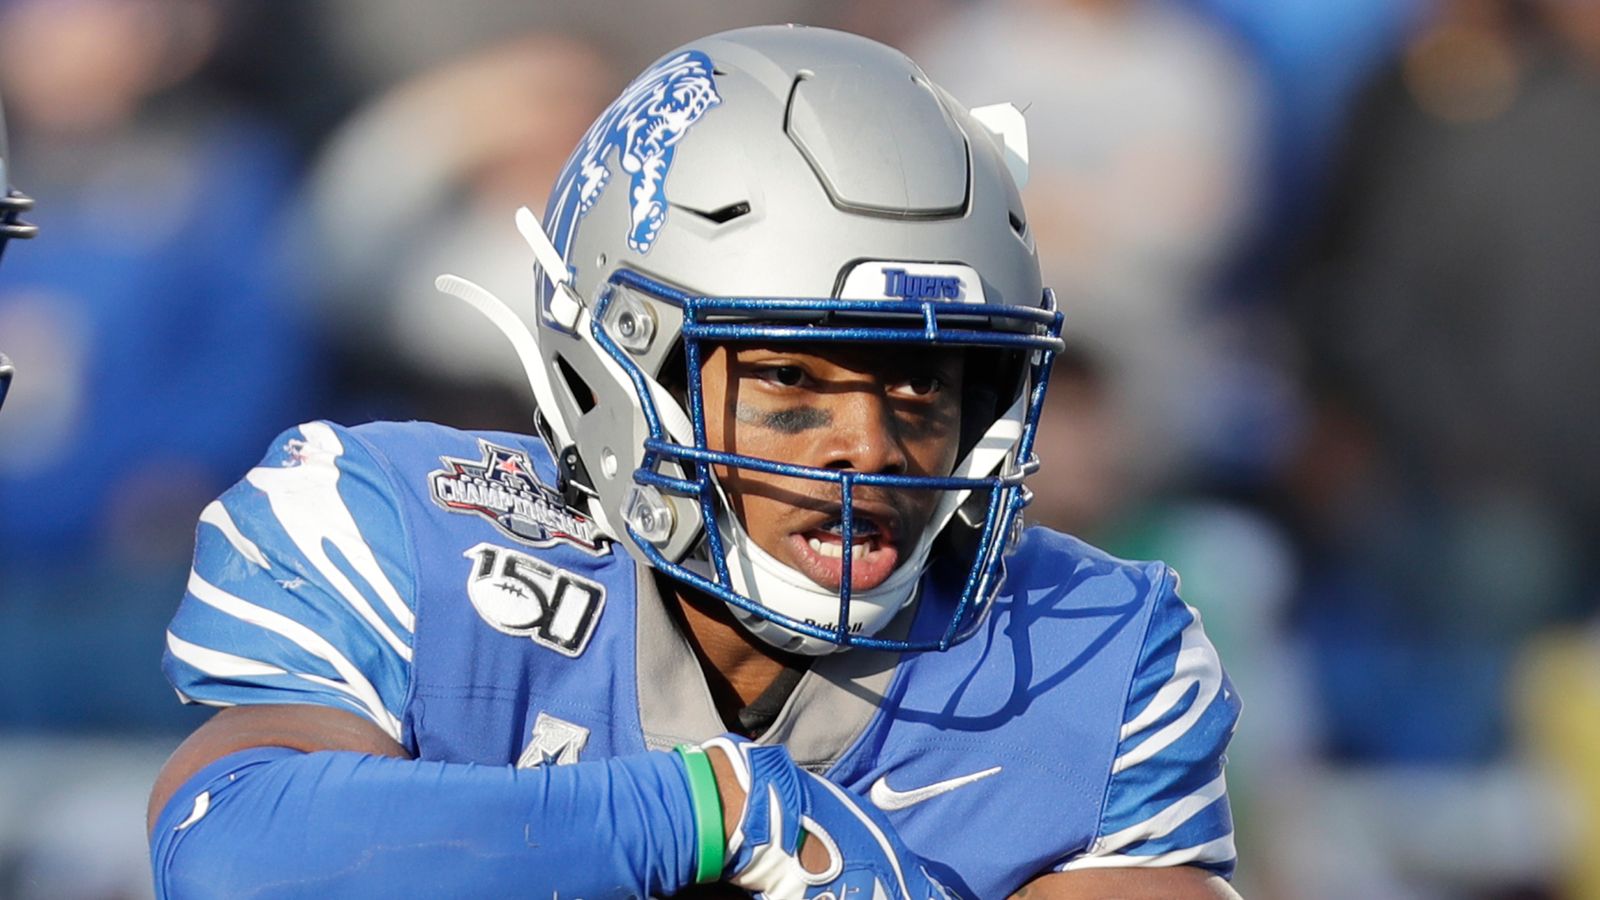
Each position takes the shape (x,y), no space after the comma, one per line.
(355,683)
(226,665)
(305,498)
(1216,851)
(217,663)
(1197,664)
(1163,823)
(216,515)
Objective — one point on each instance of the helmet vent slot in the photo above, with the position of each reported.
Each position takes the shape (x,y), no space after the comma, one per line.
(582,395)
(1018,224)
(721,216)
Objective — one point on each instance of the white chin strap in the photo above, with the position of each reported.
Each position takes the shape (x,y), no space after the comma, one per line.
(759,575)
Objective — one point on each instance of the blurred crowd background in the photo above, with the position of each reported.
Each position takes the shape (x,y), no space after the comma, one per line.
(1330,271)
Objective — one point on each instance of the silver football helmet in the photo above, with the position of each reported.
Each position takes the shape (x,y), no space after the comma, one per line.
(784,184)
(12,205)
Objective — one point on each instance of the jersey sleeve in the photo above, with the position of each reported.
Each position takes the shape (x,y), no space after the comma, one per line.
(302,586)
(1167,800)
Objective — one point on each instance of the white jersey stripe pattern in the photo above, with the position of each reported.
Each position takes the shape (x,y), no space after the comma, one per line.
(1211,851)
(222,665)
(1168,799)
(290,600)
(216,515)
(355,683)
(1166,821)
(305,499)
(1197,667)
(218,664)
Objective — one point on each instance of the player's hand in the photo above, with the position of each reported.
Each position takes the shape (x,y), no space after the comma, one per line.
(786,807)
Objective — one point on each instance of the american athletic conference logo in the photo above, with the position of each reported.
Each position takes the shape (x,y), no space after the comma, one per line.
(501,488)
(643,126)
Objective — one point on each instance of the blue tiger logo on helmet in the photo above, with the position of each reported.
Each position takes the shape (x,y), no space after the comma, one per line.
(643,126)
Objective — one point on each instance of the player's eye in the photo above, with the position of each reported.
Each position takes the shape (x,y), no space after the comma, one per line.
(785,376)
(921,385)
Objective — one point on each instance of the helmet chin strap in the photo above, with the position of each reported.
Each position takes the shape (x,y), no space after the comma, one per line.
(760,576)
(763,578)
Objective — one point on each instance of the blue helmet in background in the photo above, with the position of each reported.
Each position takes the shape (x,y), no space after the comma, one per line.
(12,205)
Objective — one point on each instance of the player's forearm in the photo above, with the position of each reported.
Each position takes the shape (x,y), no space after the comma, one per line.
(279,823)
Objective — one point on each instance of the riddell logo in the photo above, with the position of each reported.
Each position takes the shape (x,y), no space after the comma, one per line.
(911,286)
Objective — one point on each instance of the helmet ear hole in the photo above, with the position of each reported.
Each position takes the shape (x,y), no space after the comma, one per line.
(578,390)
(674,374)
(993,379)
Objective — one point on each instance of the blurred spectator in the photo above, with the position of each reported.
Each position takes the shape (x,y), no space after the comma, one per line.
(1144,134)
(377,48)
(1445,487)
(481,137)
(1449,313)
(1315,56)
(154,339)
(1082,488)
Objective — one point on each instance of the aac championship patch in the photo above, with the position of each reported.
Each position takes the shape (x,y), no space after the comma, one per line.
(501,488)
(525,596)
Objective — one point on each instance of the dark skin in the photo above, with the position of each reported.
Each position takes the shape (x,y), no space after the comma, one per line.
(871,411)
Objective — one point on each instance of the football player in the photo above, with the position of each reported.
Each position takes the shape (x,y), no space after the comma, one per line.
(754,611)
(12,204)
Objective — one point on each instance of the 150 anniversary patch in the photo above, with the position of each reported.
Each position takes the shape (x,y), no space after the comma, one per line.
(501,488)
(527,597)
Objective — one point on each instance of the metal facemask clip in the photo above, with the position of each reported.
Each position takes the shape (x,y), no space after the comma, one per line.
(629,321)
(648,513)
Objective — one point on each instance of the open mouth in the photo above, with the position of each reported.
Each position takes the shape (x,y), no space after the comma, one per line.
(819,553)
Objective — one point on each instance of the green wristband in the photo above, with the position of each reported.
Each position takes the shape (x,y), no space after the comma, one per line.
(707,802)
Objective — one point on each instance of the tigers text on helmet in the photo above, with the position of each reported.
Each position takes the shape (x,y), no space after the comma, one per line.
(12,205)
(771,185)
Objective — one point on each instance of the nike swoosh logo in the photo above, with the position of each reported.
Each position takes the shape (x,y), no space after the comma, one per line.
(888,799)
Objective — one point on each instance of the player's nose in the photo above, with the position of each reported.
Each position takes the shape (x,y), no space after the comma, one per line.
(864,436)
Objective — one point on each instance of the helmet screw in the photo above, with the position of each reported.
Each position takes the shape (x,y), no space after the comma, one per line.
(647,513)
(630,320)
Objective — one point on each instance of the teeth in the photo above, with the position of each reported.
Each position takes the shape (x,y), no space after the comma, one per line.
(833,550)
(825,548)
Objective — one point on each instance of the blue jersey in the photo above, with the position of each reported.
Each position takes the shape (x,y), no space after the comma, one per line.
(431,581)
